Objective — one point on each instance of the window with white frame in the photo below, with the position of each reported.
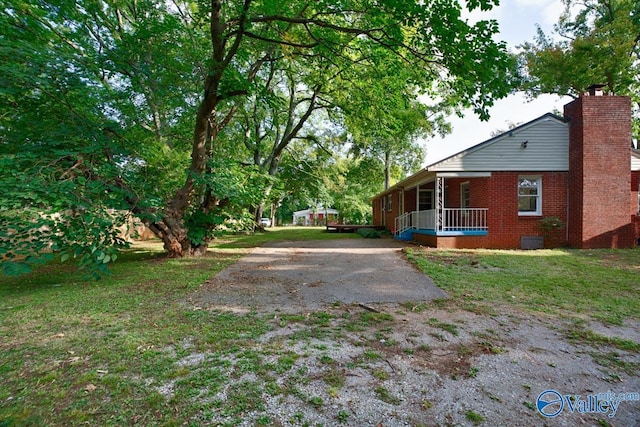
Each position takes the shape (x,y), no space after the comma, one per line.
(529,195)
(465,195)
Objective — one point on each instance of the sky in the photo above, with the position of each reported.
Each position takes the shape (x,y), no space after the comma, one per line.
(517,20)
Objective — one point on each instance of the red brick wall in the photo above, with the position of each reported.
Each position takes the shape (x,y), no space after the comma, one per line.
(410,200)
(376,214)
(506,227)
(453,242)
(599,153)
(452,192)
(390,216)
(478,189)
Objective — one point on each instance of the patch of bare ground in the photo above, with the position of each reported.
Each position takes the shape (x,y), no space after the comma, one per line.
(436,366)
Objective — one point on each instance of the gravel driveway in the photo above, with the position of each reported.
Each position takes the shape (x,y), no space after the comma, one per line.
(296,276)
(412,364)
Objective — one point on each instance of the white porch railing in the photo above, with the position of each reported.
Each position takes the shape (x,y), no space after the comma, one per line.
(447,219)
(469,219)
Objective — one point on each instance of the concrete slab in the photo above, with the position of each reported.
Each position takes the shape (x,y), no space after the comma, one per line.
(298,276)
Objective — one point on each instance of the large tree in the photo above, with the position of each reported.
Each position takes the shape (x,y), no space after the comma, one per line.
(101,97)
(290,102)
(390,129)
(596,42)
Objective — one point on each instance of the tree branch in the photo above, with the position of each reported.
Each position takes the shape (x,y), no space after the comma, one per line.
(280,42)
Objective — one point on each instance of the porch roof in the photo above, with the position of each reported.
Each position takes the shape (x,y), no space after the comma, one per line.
(425,175)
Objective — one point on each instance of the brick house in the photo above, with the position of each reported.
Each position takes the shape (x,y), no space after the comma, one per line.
(579,169)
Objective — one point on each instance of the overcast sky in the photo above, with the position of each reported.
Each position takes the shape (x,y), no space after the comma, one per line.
(517,20)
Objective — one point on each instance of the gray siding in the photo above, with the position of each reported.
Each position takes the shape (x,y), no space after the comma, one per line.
(547,149)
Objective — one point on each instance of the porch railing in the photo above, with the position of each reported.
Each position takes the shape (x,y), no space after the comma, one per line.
(469,219)
(447,220)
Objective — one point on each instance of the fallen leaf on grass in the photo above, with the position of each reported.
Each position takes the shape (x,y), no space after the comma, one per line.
(90,388)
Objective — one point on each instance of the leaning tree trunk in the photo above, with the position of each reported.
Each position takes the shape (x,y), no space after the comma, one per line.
(171,228)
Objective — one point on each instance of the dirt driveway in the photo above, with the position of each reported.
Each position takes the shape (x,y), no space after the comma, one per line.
(327,361)
(298,276)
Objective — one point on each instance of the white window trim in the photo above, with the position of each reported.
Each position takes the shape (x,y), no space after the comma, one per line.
(538,211)
(462,185)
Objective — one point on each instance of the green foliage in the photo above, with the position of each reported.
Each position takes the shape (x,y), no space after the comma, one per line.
(369,233)
(552,230)
(474,417)
(551,224)
(599,45)
(30,239)
(157,110)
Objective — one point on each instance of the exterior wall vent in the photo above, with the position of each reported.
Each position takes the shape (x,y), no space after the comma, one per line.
(531,242)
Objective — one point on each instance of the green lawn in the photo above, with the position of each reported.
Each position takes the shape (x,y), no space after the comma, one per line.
(585,284)
(74,352)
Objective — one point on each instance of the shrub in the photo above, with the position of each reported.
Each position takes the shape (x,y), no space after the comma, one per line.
(369,233)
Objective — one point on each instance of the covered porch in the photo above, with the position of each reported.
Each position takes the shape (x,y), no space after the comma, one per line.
(443,206)
(442,222)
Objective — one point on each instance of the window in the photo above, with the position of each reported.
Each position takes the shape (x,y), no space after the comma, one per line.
(425,200)
(389,203)
(465,195)
(529,195)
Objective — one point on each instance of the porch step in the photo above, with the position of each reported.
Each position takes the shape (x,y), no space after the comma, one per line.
(406,235)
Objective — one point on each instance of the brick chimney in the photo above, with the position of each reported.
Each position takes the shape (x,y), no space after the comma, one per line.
(599,171)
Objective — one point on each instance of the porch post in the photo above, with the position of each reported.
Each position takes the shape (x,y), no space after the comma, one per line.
(439,196)
(417,197)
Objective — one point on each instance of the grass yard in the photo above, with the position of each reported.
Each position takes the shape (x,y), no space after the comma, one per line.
(75,352)
(582,284)
(103,353)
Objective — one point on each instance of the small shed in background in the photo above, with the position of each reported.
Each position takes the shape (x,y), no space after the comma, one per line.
(319,216)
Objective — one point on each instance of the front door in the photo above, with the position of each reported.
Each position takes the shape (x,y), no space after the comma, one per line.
(425,200)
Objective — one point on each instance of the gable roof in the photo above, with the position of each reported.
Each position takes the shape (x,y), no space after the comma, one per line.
(538,145)
(549,130)
(541,144)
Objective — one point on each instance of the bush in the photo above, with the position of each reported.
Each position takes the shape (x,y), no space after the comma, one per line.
(552,230)
(369,233)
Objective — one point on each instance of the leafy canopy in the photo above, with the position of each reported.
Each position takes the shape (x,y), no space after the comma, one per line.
(114,108)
